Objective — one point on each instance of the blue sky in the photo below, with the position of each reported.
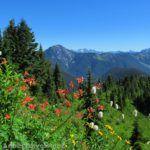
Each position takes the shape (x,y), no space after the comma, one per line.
(105,25)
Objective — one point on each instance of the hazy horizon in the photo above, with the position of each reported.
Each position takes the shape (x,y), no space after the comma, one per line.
(102,25)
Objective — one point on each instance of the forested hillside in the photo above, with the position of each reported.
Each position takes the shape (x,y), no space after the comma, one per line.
(39,111)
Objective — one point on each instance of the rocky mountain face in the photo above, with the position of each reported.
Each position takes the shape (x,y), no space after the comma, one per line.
(77,63)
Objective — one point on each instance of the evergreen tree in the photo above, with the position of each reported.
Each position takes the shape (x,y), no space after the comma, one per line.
(40,70)
(136,137)
(9,41)
(24,55)
(88,90)
(57,78)
(49,88)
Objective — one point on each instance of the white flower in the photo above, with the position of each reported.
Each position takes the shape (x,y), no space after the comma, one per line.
(148,142)
(135,113)
(116,106)
(0,53)
(111,103)
(92,124)
(100,114)
(123,116)
(93,90)
(95,127)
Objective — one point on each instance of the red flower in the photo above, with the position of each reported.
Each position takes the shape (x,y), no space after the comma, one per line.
(46,103)
(81,92)
(76,95)
(71,84)
(30,81)
(80,80)
(79,115)
(17,80)
(32,106)
(26,73)
(57,111)
(66,112)
(27,100)
(90,116)
(99,85)
(9,89)
(63,92)
(97,101)
(67,104)
(101,107)
(23,88)
(7,116)
(90,109)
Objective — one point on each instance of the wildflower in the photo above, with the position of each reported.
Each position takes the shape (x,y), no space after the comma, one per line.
(26,73)
(95,127)
(46,103)
(63,92)
(101,133)
(148,142)
(112,133)
(66,112)
(32,106)
(91,125)
(27,100)
(57,111)
(17,80)
(100,114)
(101,107)
(79,115)
(119,137)
(7,116)
(135,113)
(109,127)
(127,142)
(97,101)
(80,80)
(123,116)
(67,103)
(99,85)
(3,61)
(73,142)
(81,92)
(90,116)
(30,81)
(76,95)
(9,89)
(111,103)
(90,109)
(71,84)
(117,106)
(71,135)
(93,90)
(23,88)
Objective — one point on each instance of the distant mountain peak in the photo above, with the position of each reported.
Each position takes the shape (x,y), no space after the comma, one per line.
(77,63)
(85,50)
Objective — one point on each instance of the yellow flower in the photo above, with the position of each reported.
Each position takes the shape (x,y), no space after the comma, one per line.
(71,135)
(109,127)
(119,137)
(101,133)
(73,142)
(66,146)
(112,133)
(127,142)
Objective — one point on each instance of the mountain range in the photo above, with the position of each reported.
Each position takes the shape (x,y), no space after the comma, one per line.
(77,63)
